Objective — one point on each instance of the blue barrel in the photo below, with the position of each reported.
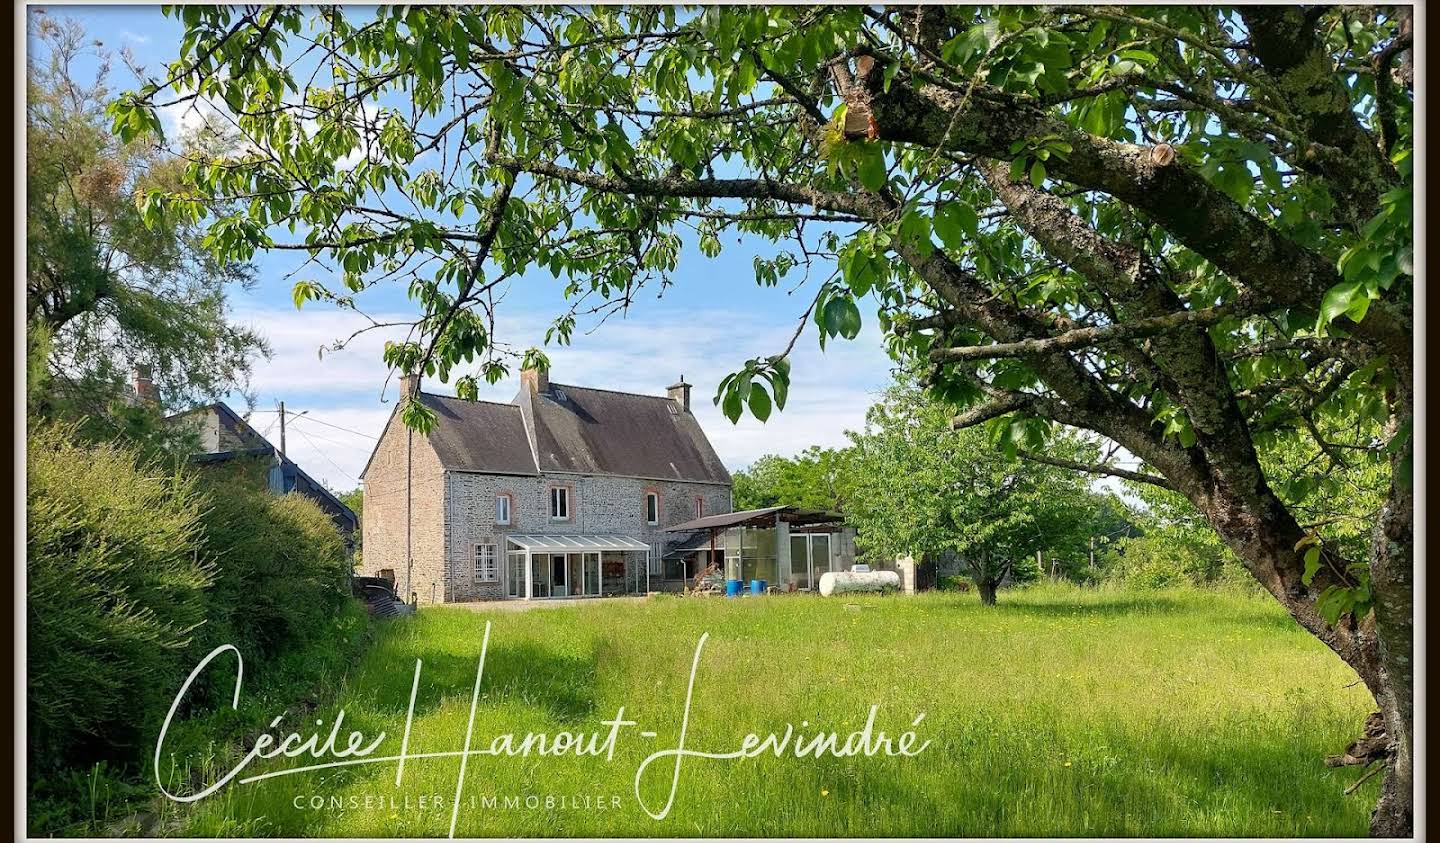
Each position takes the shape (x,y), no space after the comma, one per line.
(732,588)
(757,586)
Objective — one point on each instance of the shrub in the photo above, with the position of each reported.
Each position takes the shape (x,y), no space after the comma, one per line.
(279,564)
(116,590)
(1173,556)
(136,571)
(952,582)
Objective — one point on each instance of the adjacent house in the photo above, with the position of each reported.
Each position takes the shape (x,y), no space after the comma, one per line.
(224,437)
(565,491)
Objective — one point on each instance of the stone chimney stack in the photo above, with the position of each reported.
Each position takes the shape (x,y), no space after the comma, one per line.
(145,391)
(409,385)
(680,393)
(536,380)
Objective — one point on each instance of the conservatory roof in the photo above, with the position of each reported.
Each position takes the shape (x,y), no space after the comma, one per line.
(576,542)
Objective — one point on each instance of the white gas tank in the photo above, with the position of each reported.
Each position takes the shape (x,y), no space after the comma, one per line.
(850,582)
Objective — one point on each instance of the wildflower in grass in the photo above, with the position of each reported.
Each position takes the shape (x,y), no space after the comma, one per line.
(824,792)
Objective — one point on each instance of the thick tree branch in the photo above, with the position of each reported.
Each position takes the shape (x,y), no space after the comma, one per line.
(992,409)
(684,188)
(1304,75)
(1385,90)
(1106,470)
(1086,337)
(1195,212)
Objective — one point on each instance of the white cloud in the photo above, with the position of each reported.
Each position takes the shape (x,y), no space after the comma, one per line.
(185,118)
(829,395)
(304,362)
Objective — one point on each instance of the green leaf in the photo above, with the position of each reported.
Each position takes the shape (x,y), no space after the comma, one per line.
(1334,602)
(842,317)
(417,416)
(731,406)
(303,292)
(861,270)
(780,385)
(759,403)
(1312,565)
(1037,173)
(871,168)
(1339,299)
(954,222)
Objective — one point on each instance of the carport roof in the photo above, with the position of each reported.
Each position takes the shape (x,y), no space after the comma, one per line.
(766,517)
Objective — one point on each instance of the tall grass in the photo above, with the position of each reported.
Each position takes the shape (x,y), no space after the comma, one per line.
(1058,712)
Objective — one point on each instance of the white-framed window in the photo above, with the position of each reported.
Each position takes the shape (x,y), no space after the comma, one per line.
(487,564)
(559,503)
(502,508)
(652,507)
(699,507)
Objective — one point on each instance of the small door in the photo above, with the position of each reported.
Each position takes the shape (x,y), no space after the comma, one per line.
(515,575)
(592,575)
(559,576)
(819,556)
(800,560)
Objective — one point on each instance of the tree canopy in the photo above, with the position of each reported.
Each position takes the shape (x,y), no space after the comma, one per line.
(922,488)
(104,291)
(1186,229)
(816,478)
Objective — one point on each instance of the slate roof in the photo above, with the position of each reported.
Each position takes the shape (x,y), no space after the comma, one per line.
(599,431)
(574,429)
(480,436)
(294,477)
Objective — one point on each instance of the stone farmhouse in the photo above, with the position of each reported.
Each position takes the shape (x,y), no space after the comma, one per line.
(565,491)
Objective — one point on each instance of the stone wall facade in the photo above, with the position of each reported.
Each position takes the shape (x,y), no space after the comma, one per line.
(383,521)
(600,504)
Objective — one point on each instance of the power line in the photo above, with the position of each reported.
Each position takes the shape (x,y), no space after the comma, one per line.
(323,454)
(331,441)
(306,414)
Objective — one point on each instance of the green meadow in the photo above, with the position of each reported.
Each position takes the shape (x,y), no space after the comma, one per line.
(1060,711)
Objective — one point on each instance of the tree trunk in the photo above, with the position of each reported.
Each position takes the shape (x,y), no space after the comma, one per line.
(1394,814)
(987,592)
(1267,538)
(1392,587)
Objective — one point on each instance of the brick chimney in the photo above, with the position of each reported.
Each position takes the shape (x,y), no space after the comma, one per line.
(680,393)
(409,385)
(145,391)
(535,380)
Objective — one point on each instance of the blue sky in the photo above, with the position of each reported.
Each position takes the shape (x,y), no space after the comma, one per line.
(707,324)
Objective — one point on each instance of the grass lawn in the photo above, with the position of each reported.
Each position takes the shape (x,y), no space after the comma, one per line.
(1059,712)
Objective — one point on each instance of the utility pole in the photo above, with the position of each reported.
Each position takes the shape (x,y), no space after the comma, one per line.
(282,431)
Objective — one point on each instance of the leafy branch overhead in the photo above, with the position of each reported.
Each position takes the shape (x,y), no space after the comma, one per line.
(1186,229)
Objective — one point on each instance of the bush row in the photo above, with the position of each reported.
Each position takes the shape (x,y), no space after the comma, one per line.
(136,569)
